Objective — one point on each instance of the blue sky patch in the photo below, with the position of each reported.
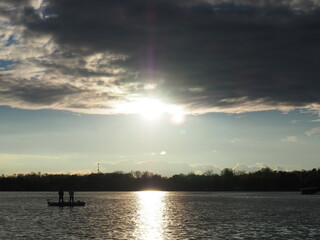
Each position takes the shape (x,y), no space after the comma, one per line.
(6,65)
(11,41)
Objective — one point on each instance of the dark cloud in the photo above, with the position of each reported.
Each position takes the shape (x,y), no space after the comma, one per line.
(41,94)
(76,71)
(233,52)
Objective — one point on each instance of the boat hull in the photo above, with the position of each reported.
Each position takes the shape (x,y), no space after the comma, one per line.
(67,204)
(310,190)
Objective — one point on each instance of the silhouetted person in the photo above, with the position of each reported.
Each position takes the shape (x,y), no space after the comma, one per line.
(61,193)
(71,195)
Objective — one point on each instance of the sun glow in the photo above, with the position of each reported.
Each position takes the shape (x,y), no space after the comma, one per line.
(153,109)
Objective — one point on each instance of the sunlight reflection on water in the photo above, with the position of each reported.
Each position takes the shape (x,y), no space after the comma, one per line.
(162,215)
(150,215)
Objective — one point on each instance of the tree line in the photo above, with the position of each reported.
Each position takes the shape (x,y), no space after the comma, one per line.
(265,179)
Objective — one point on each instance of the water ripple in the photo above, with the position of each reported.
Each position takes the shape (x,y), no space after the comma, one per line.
(161,215)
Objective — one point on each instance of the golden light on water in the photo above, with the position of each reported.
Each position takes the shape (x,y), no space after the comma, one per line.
(151,210)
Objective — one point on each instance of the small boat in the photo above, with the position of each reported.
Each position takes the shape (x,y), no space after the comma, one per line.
(310,190)
(67,204)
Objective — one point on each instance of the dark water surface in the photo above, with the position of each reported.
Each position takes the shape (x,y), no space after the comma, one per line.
(161,215)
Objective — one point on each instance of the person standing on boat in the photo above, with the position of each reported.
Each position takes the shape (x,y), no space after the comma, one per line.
(61,193)
(71,196)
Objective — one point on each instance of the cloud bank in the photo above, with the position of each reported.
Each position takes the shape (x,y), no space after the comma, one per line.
(205,56)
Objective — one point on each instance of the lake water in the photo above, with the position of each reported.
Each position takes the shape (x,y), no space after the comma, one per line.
(161,215)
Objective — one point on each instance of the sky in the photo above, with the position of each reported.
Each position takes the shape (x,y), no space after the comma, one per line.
(165,86)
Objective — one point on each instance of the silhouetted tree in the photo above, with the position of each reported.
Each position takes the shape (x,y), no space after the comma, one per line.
(265,179)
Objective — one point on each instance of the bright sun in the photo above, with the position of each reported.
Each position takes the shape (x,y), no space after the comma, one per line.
(152,109)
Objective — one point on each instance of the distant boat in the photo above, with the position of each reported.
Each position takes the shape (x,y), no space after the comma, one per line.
(310,190)
(67,204)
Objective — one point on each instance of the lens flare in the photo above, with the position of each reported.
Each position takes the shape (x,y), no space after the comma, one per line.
(178,118)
